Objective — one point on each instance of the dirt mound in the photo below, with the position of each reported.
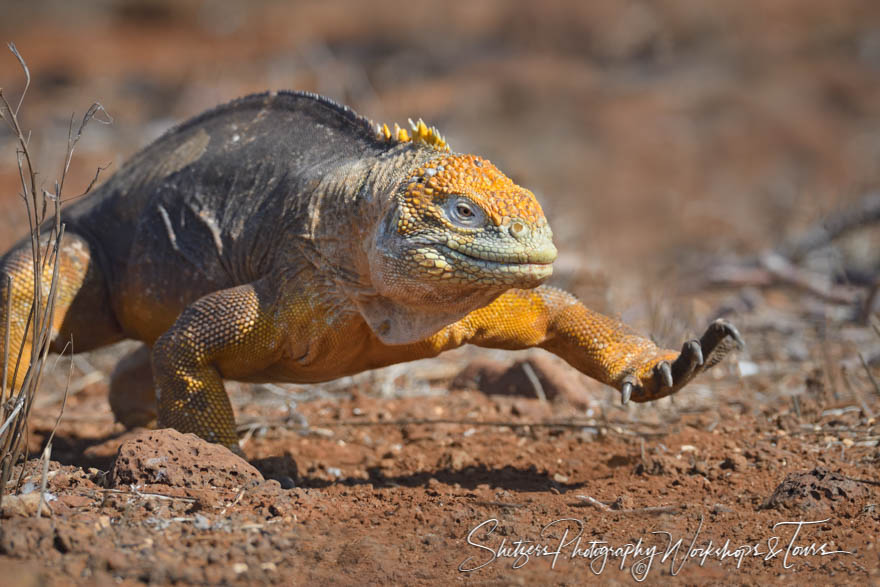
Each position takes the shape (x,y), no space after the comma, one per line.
(819,488)
(533,377)
(167,457)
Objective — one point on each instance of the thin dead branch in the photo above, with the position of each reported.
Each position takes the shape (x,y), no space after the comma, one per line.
(89,187)
(74,138)
(774,270)
(779,267)
(602,506)
(27,76)
(145,495)
(864,211)
(867,367)
(595,502)
(44,479)
(870,302)
(234,502)
(6,330)
(854,391)
(612,428)
(461,422)
(536,383)
(43,210)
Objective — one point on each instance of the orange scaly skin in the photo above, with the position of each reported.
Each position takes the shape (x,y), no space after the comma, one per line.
(281,238)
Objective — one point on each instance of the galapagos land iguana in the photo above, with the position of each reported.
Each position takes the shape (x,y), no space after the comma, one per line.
(282,237)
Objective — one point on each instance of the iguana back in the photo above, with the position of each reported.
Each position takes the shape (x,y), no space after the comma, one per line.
(214,196)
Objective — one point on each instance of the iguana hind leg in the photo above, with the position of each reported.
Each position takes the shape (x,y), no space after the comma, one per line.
(132,393)
(82,320)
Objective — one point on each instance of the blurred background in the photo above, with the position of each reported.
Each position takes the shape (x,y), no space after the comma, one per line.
(662,137)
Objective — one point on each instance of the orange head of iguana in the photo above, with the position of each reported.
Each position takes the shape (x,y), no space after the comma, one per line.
(462,232)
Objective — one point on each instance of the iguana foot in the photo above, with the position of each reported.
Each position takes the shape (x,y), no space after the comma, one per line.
(666,377)
(132,396)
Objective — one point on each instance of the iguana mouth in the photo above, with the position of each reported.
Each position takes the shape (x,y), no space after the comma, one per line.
(522,263)
(530,255)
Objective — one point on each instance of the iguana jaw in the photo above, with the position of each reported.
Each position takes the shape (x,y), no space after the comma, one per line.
(526,269)
(490,258)
(536,270)
(496,248)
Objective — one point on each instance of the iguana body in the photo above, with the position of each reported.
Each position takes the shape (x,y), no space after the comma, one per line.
(282,238)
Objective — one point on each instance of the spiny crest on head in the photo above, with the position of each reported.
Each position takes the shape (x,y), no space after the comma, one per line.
(421,134)
(476,178)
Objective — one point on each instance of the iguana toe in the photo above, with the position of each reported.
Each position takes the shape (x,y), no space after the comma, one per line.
(719,339)
(663,373)
(627,389)
(665,378)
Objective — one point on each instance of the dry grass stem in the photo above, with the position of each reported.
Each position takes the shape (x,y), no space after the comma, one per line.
(46,231)
(536,383)
(602,506)
(864,211)
(870,374)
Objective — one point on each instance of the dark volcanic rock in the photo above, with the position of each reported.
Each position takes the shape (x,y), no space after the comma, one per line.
(819,488)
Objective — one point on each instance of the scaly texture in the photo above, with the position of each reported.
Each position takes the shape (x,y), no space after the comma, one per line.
(282,237)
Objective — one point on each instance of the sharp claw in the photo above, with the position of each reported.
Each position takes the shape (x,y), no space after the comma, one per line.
(735,335)
(626,393)
(730,330)
(666,373)
(696,350)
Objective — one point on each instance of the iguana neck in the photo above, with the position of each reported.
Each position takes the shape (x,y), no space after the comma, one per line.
(353,213)
(349,204)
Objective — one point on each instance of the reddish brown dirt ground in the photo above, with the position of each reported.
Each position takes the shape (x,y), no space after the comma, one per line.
(664,139)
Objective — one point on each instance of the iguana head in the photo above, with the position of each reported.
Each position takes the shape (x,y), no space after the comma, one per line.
(461,222)
(459,233)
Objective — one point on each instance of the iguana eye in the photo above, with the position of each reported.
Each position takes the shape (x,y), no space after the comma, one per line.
(464,213)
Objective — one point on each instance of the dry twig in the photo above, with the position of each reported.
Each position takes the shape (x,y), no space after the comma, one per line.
(595,502)
(870,375)
(536,383)
(46,233)
(144,495)
(864,211)
(774,269)
(655,509)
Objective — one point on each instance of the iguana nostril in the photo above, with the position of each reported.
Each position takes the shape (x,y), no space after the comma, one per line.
(518,229)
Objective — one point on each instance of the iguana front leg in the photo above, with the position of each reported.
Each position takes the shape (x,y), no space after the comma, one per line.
(228,333)
(599,346)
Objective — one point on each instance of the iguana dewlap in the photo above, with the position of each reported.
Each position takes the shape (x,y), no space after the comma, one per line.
(282,237)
